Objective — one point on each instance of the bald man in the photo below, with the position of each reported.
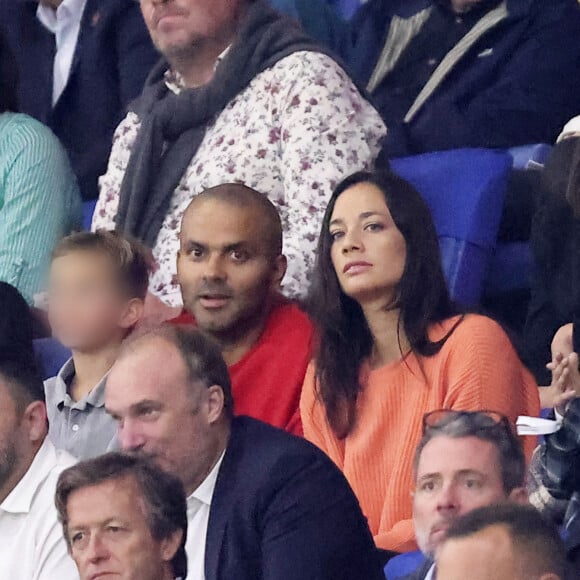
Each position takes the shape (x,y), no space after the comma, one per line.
(230,267)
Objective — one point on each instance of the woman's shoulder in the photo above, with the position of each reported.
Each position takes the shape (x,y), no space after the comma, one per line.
(469,329)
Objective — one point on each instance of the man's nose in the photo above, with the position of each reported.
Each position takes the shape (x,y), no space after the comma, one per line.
(131,438)
(97,550)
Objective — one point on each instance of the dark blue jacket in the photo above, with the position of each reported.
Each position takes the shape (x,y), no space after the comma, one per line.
(517,83)
(113,57)
(281,510)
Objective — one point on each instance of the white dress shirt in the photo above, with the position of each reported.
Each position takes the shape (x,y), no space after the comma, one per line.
(431,573)
(32,545)
(198,506)
(65,24)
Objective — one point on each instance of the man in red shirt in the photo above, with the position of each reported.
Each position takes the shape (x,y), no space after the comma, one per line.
(230,266)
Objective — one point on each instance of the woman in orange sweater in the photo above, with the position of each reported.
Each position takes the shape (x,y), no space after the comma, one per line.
(392,347)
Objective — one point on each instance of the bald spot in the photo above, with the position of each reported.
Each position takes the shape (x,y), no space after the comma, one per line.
(239,196)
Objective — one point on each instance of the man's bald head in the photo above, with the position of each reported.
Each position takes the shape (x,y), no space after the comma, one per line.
(238,195)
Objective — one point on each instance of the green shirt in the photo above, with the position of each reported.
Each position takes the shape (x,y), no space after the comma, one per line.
(39,201)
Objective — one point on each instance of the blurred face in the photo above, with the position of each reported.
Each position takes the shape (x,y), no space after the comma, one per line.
(368,251)
(179,27)
(485,555)
(109,537)
(161,414)
(454,476)
(86,307)
(225,268)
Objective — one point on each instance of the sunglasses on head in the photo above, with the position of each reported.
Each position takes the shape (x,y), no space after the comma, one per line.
(480,419)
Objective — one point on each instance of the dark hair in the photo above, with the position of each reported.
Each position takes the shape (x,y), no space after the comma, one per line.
(20,373)
(8,78)
(16,322)
(163,495)
(200,353)
(131,259)
(539,549)
(460,424)
(345,340)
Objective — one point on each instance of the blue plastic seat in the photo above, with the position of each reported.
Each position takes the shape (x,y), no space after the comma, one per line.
(465,190)
(88,211)
(511,264)
(403,564)
(51,356)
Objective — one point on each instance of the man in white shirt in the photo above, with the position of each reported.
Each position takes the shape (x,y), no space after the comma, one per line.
(261,503)
(123,517)
(31,542)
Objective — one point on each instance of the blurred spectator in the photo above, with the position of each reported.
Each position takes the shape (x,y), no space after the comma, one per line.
(392,347)
(462,73)
(39,201)
(98,283)
(463,461)
(230,266)
(80,64)
(555,243)
(261,503)
(243,96)
(114,493)
(502,541)
(555,479)
(31,543)
(16,323)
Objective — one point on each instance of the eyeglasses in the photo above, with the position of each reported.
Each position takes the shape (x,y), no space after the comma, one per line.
(479,419)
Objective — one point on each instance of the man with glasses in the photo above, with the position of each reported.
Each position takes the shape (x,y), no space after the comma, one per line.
(465,460)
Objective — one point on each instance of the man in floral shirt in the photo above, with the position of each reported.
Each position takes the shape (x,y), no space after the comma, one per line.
(242,96)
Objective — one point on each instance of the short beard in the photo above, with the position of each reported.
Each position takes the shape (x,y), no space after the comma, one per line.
(8,460)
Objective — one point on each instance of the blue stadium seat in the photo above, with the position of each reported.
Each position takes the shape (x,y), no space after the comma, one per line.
(403,564)
(51,356)
(88,210)
(465,190)
(511,264)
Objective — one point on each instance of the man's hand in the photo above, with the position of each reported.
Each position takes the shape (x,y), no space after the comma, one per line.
(157,312)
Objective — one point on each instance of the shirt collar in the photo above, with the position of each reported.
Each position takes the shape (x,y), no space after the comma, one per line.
(174,81)
(204,492)
(96,398)
(72,10)
(19,500)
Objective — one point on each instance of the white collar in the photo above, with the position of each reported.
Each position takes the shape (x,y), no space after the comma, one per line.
(174,81)
(205,489)
(19,500)
(431,573)
(72,10)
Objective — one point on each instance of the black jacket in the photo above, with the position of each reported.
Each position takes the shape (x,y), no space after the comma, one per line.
(281,510)
(113,56)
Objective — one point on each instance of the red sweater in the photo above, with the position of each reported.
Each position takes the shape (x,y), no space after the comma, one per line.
(267,381)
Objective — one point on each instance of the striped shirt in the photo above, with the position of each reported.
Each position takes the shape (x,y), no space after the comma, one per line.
(39,201)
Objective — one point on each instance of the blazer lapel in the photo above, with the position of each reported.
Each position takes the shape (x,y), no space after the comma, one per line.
(221,502)
(89,19)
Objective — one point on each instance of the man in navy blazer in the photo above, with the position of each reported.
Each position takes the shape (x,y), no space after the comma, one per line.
(111,60)
(262,504)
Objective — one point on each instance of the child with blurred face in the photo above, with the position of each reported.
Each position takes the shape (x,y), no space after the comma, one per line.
(97,287)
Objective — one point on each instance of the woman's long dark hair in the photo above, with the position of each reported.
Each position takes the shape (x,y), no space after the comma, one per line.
(345,340)
(8,78)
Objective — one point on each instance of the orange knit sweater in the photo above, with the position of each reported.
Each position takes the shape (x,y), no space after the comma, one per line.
(476,369)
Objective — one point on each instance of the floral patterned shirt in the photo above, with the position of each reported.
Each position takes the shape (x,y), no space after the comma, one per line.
(292,134)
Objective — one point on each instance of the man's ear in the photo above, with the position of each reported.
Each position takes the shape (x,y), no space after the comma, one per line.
(35,421)
(170,545)
(133,313)
(216,403)
(519,495)
(279,266)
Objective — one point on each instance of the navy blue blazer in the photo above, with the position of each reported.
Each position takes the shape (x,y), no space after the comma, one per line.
(113,56)
(281,510)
